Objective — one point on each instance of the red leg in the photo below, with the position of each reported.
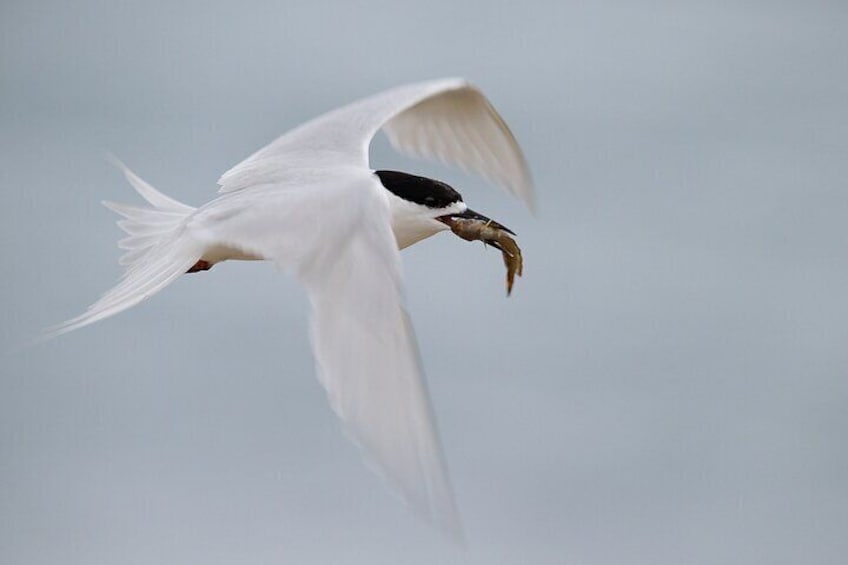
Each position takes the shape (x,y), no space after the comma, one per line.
(200,266)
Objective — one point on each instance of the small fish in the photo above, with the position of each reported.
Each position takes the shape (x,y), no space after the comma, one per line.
(494,234)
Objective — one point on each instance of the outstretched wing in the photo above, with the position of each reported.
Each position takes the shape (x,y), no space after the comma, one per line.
(335,235)
(449,120)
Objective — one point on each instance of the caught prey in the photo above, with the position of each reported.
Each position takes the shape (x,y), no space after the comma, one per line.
(310,203)
(496,235)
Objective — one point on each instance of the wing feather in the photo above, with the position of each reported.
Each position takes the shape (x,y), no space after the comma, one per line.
(335,235)
(449,119)
(367,360)
(463,129)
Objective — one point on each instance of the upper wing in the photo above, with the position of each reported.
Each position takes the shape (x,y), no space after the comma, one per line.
(337,239)
(449,119)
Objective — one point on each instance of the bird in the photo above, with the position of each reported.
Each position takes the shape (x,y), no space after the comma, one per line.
(310,203)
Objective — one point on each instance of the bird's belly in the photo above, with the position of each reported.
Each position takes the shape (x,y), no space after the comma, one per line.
(220,253)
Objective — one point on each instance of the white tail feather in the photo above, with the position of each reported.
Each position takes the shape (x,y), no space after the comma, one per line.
(159,251)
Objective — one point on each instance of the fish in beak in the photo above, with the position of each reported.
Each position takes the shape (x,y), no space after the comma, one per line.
(471,226)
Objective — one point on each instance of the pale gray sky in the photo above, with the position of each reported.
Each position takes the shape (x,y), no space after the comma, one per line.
(668,383)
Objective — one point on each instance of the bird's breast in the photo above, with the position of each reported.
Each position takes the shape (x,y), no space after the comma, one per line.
(409,231)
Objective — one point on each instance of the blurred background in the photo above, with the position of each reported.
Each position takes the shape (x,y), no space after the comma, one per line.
(666,385)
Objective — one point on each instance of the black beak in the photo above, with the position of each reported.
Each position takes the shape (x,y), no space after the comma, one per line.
(470,214)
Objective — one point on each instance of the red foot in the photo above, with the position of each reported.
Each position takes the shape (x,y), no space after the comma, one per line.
(200,266)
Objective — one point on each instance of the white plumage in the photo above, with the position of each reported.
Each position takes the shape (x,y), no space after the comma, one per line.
(310,203)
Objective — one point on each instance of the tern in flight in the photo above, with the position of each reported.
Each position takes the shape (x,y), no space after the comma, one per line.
(310,203)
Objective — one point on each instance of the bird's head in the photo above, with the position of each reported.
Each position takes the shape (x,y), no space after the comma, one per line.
(422,206)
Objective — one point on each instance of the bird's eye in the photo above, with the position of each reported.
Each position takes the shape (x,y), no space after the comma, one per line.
(430,200)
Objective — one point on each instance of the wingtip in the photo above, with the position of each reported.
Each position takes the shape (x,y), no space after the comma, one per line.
(52,332)
(453,530)
(531,204)
(29,343)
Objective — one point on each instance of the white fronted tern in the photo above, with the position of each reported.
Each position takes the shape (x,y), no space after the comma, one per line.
(310,203)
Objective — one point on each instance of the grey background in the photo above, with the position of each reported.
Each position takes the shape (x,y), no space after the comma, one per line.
(667,384)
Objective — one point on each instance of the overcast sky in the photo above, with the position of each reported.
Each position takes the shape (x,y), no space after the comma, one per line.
(668,383)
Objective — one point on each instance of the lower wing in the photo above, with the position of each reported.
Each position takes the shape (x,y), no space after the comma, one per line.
(337,238)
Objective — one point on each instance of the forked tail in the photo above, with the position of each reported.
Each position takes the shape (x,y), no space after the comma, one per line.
(158,251)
